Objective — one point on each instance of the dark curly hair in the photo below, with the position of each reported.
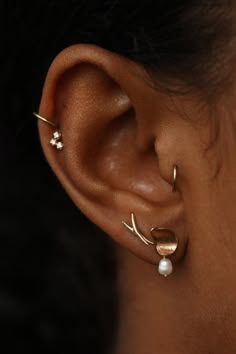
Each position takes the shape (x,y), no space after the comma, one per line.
(57,270)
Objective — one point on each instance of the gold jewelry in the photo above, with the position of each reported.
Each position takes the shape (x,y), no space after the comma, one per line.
(166,244)
(56,141)
(135,231)
(44,119)
(164,241)
(174,177)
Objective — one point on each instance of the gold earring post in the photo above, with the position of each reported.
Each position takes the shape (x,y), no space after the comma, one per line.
(174,178)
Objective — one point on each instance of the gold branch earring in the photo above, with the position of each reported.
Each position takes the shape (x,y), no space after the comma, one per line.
(56,140)
(164,240)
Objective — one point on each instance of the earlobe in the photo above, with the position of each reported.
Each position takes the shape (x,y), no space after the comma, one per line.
(103,112)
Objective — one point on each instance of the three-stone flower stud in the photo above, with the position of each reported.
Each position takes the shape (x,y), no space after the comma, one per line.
(56,140)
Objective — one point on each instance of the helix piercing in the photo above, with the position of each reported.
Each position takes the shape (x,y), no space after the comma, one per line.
(56,140)
(44,119)
(164,241)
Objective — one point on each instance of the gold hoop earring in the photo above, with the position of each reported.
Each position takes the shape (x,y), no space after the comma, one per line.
(44,119)
(56,140)
(164,241)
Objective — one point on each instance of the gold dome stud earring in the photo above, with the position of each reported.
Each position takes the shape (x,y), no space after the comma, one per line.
(166,244)
(56,140)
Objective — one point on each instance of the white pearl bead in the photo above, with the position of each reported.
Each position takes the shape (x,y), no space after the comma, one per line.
(165,267)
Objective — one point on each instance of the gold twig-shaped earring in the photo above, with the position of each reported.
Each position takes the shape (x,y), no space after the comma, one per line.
(135,231)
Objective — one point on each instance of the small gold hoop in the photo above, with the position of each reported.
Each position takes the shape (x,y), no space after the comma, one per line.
(44,119)
(174,178)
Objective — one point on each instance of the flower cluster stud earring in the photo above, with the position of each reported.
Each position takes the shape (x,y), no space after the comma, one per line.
(56,140)
(164,240)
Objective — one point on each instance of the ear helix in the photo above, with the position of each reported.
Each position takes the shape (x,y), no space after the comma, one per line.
(56,140)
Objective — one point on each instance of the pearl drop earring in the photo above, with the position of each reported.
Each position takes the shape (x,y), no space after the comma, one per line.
(165,243)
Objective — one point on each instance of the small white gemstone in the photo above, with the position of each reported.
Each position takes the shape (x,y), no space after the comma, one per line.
(56,135)
(165,267)
(60,145)
(53,142)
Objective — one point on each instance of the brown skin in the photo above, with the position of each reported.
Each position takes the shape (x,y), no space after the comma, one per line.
(122,139)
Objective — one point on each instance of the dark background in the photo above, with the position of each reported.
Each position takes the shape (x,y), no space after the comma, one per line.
(57,272)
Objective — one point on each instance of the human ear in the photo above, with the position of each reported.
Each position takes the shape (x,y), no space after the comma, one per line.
(110,119)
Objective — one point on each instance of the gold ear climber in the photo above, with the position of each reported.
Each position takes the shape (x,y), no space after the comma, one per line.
(56,140)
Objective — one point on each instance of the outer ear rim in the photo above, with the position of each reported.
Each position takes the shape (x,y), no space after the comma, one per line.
(95,55)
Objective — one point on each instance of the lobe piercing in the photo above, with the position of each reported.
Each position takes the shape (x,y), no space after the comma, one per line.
(165,243)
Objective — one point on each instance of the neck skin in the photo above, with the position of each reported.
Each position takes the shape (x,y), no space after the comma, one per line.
(154,316)
(192,311)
